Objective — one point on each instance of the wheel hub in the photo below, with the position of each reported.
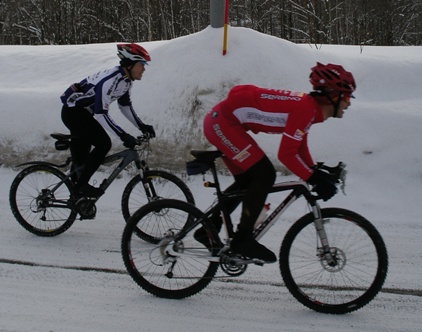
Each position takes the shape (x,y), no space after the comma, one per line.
(339,260)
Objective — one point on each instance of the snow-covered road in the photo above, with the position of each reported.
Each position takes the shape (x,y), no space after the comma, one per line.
(77,282)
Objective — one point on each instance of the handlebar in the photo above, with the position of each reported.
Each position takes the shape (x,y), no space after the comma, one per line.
(63,140)
(336,173)
(145,138)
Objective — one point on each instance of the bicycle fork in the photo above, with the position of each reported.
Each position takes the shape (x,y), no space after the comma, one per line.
(326,252)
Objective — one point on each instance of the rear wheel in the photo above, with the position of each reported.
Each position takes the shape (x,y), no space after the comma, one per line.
(154,185)
(348,283)
(178,266)
(37,205)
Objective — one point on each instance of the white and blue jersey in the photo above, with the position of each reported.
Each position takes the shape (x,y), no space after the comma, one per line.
(96,92)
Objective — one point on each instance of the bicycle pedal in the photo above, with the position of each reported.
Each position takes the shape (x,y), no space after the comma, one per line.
(239,261)
(86,200)
(258,262)
(86,208)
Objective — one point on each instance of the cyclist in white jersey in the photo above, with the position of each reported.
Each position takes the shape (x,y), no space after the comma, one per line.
(86,113)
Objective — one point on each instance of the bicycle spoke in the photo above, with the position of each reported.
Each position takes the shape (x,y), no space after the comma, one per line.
(35,206)
(172,268)
(354,279)
(160,184)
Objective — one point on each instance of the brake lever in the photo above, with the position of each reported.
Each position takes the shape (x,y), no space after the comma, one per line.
(342,177)
(142,138)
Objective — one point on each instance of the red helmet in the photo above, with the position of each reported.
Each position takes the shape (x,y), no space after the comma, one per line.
(331,78)
(133,52)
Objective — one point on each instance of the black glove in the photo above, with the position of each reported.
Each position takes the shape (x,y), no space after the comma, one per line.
(128,140)
(323,185)
(147,129)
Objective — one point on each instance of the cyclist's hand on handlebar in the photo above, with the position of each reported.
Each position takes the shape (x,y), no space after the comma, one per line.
(336,172)
(322,184)
(147,130)
(128,140)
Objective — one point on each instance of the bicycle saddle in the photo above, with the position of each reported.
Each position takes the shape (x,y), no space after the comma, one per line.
(206,155)
(60,137)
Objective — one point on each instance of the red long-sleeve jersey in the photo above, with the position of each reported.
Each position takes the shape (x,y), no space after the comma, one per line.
(275,112)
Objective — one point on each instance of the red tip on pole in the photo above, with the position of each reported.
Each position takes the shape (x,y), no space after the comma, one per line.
(226,12)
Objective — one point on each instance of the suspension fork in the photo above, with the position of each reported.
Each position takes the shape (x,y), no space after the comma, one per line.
(149,188)
(142,167)
(322,235)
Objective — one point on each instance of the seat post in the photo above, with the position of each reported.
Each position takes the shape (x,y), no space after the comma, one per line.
(216,181)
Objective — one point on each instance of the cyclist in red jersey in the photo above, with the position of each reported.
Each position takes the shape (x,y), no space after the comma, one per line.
(255,109)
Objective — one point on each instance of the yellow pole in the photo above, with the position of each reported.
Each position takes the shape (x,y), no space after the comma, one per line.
(226,19)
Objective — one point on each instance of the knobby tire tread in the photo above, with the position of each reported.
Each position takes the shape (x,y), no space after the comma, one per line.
(14,205)
(153,173)
(130,229)
(343,308)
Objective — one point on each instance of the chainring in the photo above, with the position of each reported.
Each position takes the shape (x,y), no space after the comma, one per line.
(228,265)
(86,208)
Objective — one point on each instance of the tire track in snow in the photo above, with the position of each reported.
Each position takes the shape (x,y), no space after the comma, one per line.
(399,291)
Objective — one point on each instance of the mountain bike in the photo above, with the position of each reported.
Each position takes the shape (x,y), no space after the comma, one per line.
(44,201)
(332,260)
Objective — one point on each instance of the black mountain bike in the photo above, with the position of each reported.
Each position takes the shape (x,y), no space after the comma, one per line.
(332,260)
(44,202)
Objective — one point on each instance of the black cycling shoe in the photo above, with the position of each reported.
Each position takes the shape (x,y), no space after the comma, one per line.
(87,190)
(245,245)
(201,236)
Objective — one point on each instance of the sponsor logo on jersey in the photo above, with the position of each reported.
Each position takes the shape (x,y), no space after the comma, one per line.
(279,97)
(224,139)
(243,155)
(253,115)
(265,118)
(113,86)
(298,134)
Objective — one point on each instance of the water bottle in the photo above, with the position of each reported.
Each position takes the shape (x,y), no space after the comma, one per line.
(262,215)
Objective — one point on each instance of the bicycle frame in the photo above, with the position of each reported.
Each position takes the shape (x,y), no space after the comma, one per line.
(126,156)
(297,188)
(45,200)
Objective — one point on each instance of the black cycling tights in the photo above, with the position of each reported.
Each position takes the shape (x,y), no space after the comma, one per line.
(89,133)
(257,181)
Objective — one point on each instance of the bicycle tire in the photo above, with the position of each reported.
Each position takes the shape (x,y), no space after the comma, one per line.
(192,270)
(24,201)
(164,185)
(361,256)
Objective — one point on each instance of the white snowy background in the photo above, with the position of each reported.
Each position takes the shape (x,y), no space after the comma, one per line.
(77,281)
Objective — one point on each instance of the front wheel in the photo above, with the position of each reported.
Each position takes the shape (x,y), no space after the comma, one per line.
(347,283)
(154,185)
(178,266)
(39,203)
